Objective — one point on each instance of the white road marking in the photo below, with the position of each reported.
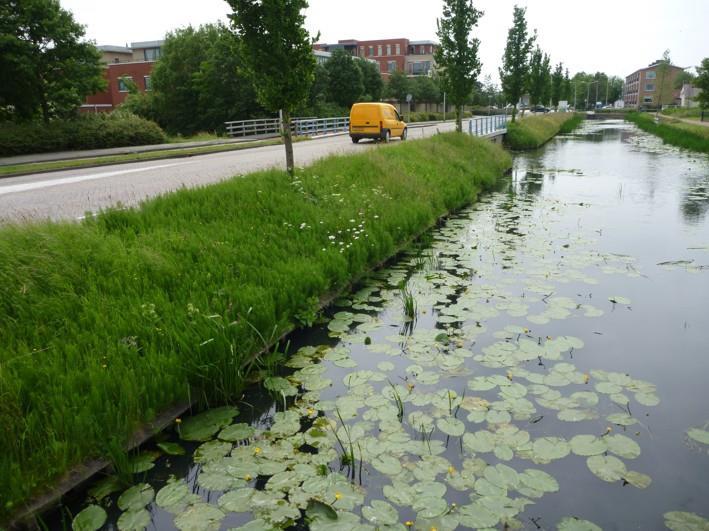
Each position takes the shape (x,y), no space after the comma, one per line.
(13,188)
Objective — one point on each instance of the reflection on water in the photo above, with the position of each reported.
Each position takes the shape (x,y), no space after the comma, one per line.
(546,368)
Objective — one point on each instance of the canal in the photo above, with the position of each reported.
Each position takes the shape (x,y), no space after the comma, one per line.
(540,360)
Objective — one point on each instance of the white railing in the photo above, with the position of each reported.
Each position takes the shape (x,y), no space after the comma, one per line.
(487,125)
(300,126)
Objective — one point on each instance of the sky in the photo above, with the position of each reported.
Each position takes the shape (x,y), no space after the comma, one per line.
(612,36)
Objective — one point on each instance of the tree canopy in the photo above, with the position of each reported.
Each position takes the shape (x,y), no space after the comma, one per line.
(457,54)
(371,80)
(702,82)
(515,60)
(47,68)
(278,53)
(345,80)
(398,86)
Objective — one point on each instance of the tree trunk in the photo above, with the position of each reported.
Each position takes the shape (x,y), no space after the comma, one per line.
(288,141)
(459,118)
(514,113)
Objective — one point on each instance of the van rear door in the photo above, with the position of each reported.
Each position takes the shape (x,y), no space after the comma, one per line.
(365,119)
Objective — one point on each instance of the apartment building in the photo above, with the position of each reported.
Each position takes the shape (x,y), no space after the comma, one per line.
(644,87)
(124,65)
(415,58)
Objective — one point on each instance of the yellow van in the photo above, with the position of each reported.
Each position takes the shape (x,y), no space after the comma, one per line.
(379,121)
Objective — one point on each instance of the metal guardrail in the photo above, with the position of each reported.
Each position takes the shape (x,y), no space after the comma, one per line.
(258,127)
(486,125)
(321,126)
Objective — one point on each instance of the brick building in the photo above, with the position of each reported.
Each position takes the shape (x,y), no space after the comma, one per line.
(123,66)
(642,87)
(415,58)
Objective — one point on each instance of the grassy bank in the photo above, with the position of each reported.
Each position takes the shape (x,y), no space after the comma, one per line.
(535,131)
(106,323)
(57,165)
(681,134)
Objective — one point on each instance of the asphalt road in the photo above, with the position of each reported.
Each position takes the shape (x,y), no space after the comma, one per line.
(71,194)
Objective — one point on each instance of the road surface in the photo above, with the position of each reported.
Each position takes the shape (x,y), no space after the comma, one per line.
(70,194)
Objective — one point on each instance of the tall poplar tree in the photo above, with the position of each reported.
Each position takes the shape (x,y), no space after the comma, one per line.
(557,84)
(457,56)
(515,61)
(278,53)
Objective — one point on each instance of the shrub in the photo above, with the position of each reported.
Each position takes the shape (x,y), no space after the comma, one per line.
(93,131)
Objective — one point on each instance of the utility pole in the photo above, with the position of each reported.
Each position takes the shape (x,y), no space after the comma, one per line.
(608,83)
(444,106)
(575,83)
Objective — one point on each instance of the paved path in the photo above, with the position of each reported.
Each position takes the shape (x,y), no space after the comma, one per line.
(71,194)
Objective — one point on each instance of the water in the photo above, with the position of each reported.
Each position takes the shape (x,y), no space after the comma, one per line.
(606,213)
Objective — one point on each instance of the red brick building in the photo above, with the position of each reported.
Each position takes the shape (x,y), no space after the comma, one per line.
(124,66)
(415,58)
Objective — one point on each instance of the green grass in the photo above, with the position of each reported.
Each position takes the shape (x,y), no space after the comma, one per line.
(535,131)
(570,125)
(38,167)
(676,133)
(197,137)
(694,112)
(106,323)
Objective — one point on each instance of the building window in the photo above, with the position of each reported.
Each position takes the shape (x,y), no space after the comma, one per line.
(361,51)
(650,75)
(421,68)
(649,87)
(116,60)
(151,54)
(398,49)
(371,50)
(124,83)
(647,99)
(388,49)
(379,50)
(391,67)
(148,83)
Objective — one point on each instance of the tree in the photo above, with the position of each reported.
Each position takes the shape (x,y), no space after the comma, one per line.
(47,69)
(398,87)
(371,80)
(198,83)
(566,90)
(345,85)
(425,89)
(546,80)
(457,55)
(513,73)
(278,55)
(684,78)
(702,82)
(557,84)
(535,79)
(663,68)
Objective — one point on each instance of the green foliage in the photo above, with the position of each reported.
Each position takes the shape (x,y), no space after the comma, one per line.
(539,80)
(535,131)
(92,131)
(515,61)
(398,86)
(426,89)
(108,322)
(557,84)
(371,80)
(681,134)
(702,82)
(591,88)
(345,81)
(46,68)
(278,53)
(457,55)
(198,83)
(683,78)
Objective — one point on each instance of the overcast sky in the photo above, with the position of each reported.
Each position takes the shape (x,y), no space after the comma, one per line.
(614,36)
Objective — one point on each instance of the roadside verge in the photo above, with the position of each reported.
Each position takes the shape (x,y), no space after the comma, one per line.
(110,322)
(535,131)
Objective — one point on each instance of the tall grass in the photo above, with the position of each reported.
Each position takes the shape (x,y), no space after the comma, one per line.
(107,323)
(535,131)
(681,134)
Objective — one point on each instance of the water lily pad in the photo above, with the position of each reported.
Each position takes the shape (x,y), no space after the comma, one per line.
(451,426)
(608,468)
(380,513)
(280,386)
(588,445)
(699,435)
(175,496)
(685,521)
(237,432)
(134,520)
(89,519)
(647,399)
(430,507)
(571,523)
(105,487)
(539,480)
(623,446)
(143,462)
(136,497)
(617,299)
(387,464)
(199,517)
(202,427)
(547,449)
(236,501)
(637,479)
(171,448)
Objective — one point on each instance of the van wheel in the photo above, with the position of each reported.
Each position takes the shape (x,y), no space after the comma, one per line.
(405,134)
(355,140)
(387,136)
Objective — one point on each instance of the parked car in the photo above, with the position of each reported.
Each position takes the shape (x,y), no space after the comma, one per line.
(540,108)
(378,121)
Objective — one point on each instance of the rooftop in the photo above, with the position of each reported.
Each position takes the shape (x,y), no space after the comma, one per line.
(114,49)
(146,44)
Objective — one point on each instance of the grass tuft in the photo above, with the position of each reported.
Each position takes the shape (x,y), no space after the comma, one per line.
(107,323)
(676,133)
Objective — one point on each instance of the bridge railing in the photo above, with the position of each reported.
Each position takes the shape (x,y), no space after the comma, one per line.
(300,126)
(487,125)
